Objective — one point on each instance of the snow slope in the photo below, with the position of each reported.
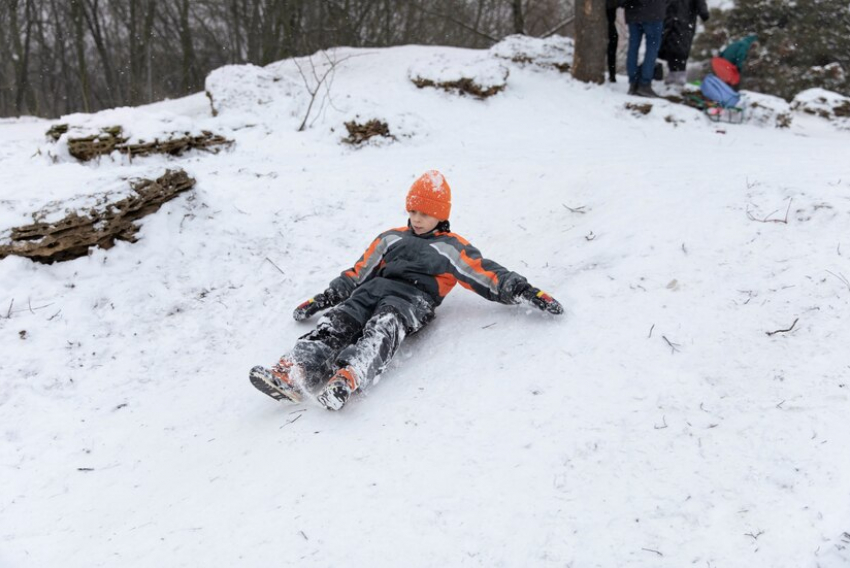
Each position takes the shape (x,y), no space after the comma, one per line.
(656,424)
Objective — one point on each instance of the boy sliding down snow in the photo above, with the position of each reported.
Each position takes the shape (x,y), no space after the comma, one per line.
(391,292)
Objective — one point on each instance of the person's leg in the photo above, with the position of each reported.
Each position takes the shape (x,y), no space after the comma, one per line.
(315,352)
(653,32)
(635,34)
(677,75)
(358,364)
(613,38)
(373,351)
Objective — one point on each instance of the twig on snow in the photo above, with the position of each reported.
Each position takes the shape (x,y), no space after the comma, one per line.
(767,219)
(684,249)
(651,550)
(769,333)
(30,308)
(9,312)
(663,424)
(673,346)
(276,266)
(288,422)
(578,210)
(754,536)
(650,331)
(841,277)
(489,325)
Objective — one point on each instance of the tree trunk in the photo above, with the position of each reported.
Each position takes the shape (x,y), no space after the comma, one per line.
(591,41)
(148,43)
(519,16)
(24,91)
(80,48)
(91,12)
(189,63)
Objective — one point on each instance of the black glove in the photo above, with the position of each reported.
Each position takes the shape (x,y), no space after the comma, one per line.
(316,304)
(540,300)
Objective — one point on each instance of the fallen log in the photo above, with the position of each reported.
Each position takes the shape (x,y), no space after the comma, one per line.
(73,236)
(112,139)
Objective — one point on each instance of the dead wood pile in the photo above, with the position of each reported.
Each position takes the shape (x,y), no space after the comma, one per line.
(359,133)
(638,108)
(112,138)
(101,226)
(464,86)
(522,59)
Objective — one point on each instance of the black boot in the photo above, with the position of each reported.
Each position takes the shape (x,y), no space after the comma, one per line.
(645,90)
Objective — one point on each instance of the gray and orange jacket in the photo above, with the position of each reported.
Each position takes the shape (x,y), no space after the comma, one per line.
(430,264)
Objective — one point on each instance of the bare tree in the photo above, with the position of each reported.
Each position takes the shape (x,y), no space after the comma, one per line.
(85,55)
(318,80)
(77,19)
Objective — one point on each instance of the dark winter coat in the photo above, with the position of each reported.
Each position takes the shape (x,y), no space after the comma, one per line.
(413,273)
(643,11)
(680,25)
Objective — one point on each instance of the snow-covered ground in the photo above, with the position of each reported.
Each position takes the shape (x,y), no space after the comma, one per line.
(656,424)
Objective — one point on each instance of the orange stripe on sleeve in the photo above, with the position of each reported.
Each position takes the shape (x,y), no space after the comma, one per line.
(475,264)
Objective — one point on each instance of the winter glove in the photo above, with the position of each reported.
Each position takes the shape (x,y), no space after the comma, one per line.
(540,300)
(316,304)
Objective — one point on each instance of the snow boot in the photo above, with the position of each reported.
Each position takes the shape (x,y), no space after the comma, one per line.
(645,90)
(276,382)
(339,389)
(676,78)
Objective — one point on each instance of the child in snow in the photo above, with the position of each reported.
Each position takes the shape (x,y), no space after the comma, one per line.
(389,293)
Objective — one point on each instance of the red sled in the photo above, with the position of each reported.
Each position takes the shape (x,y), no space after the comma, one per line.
(725,71)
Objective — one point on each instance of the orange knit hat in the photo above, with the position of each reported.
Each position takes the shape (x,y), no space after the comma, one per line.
(431,194)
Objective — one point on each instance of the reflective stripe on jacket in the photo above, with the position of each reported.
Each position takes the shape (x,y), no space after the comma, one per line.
(433,263)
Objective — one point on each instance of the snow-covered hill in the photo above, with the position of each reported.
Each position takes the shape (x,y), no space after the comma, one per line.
(657,424)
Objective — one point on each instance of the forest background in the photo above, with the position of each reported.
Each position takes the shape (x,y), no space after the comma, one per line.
(63,56)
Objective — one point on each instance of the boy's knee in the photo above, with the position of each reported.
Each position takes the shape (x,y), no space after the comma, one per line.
(335,327)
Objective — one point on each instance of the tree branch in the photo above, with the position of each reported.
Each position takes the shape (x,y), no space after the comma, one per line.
(465,26)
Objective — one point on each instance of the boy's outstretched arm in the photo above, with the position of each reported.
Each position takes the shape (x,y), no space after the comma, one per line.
(492,280)
(343,285)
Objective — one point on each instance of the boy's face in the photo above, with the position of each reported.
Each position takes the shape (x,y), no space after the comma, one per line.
(421,222)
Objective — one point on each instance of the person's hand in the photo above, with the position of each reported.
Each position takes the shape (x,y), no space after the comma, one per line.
(316,304)
(541,300)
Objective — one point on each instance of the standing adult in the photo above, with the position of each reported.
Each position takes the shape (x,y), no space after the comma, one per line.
(680,26)
(613,37)
(645,18)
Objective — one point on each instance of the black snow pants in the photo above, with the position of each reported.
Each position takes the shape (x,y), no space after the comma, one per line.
(613,38)
(363,332)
